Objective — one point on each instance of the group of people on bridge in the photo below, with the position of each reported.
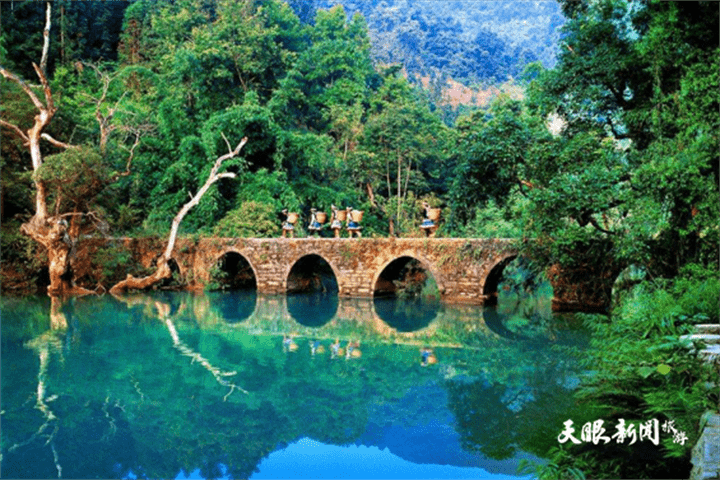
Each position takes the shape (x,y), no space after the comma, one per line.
(352,219)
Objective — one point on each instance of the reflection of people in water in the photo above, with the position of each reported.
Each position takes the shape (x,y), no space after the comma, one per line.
(316,346)
(335,350)
(353,350)
(289,344)
(427,357)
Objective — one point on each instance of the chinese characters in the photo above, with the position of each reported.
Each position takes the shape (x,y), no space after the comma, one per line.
(595,433)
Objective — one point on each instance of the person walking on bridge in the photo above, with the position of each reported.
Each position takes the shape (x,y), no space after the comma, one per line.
(315,226)
(288,220)
(428,225)
(353,222)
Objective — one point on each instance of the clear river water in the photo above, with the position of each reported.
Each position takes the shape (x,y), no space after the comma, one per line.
(237,385)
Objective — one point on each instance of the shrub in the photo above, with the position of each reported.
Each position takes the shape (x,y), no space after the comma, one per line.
(250,219)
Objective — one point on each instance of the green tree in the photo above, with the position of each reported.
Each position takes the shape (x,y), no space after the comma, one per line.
(404,142)
(492,154)
(637,163)
(630,180)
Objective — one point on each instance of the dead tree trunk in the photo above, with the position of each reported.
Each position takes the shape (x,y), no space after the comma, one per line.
(51,232)
(163,270)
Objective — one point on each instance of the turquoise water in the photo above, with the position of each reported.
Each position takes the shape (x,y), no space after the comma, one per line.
(236,385)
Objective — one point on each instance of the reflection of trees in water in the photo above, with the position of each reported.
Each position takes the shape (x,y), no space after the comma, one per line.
(216,372)
(513,399)
(234,307)
(43,345)
(130,403)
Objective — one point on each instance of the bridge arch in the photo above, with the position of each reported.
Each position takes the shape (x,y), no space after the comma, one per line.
(310,272)
(236,265)
(425,263)
(494,276)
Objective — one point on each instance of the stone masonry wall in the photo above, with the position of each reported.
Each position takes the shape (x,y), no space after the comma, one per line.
(465,270)
(460,267)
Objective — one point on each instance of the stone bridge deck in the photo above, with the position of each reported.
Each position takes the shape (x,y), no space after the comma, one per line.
(465,270)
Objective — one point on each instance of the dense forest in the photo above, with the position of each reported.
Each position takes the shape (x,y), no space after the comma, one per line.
(465,39)
(608,162)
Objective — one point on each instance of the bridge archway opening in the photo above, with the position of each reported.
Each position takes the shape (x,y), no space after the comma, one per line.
(513,283)
(173,281)
(405,277)
(312,289)
(312,273)
(497,282)
(405,295)
(233,272)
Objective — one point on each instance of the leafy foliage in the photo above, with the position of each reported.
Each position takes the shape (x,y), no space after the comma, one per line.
(250,219)
(625,171)
(77,174)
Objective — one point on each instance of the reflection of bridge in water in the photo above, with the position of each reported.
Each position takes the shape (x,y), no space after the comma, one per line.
(327,316)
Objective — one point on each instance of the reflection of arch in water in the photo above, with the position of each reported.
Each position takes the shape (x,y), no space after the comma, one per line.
(235,307)
(409,272)
(494,322)
(235,272)
(312,309)
(406,314)
(312,273)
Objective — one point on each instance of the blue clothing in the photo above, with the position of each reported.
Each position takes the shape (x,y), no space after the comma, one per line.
(427,223)
(353,225)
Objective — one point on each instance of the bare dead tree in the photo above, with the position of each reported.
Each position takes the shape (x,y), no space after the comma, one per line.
(53,231)
(163,270)
(49,231)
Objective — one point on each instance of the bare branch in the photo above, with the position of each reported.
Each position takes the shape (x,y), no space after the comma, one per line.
(163,268)
(212,178)
(26,88)
(57,143)
(131,155)
(104,120)
(226,142)
(137,132)
(46,40)
(15,129)
(50,105)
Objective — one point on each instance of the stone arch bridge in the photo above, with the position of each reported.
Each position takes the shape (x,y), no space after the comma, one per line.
(465,270)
